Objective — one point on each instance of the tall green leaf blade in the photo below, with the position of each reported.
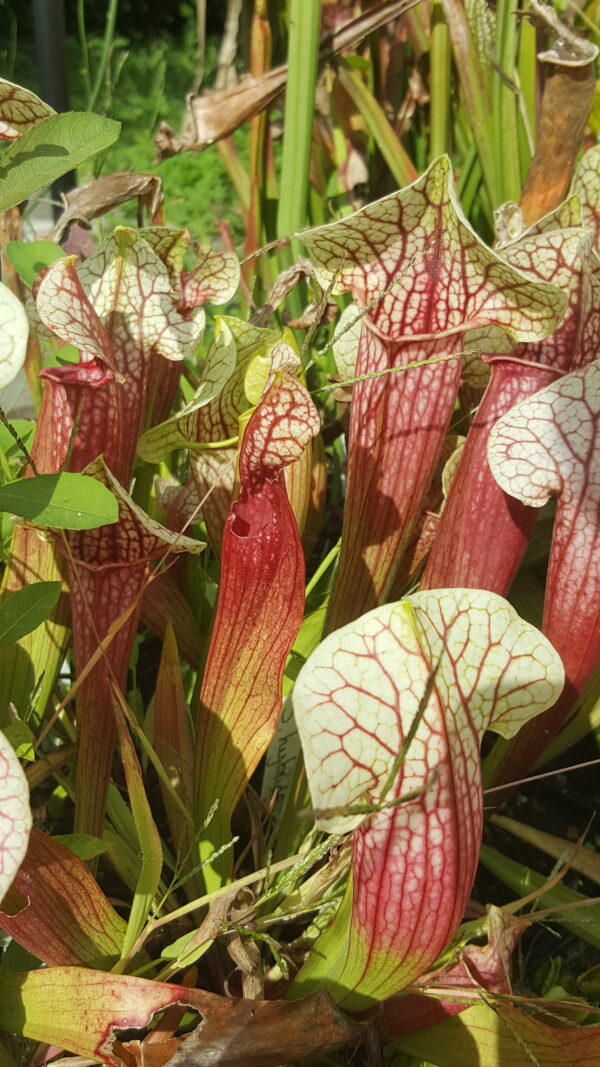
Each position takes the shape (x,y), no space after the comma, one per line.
(148,836)
(54,147)
(25,609)
(62,501)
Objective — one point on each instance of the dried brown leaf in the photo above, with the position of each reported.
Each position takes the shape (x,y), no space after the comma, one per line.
(89,201)
(566,104)
(214,116)
(250,1033)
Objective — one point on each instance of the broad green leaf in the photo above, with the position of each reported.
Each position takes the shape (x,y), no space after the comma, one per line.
(76,1008)
(25,609)
(30,257)
(28,672)
(61,501)
(14,331)
(15,815)
(394,706)
(55,146)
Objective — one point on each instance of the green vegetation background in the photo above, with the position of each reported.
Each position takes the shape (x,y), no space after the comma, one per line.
(152,67)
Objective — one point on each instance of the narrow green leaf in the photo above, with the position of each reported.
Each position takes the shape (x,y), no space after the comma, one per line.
(86,846)
(147,834)
(380,128)
(305,16)
(24,428)
(25,609)
(584,922)
(54,147)
(62,501)
(30,257)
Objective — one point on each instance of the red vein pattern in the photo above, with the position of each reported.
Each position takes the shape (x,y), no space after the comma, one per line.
(355,700)
(15,815)
(586,186)
(20,110)
(547,446)
(124,307)
(107,568)
(259,610)
(413,262)
(80,927)
(479,969)
(477,511)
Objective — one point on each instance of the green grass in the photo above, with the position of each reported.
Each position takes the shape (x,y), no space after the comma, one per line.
(147,82)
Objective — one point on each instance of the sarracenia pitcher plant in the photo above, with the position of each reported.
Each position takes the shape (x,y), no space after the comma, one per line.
(169,906)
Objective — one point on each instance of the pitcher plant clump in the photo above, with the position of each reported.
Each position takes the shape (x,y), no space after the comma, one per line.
(274,579)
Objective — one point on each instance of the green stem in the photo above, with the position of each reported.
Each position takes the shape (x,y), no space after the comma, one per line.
(527,66)
(439,83)
(107,41)
(83,48)
(505,102)
(299,110)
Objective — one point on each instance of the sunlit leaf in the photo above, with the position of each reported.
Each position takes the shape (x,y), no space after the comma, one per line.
(357,702)
(217,369)
(421,278)
(476,508)
(259,610)
(61,501)
(23,428)
(54,146)
(95,1009)
(498,1033)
